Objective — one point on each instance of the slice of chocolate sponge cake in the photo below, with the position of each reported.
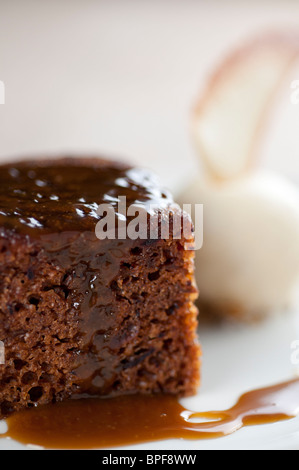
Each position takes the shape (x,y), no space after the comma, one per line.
(80,315)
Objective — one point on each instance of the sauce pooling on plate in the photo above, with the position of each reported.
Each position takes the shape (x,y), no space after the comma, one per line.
(133,419)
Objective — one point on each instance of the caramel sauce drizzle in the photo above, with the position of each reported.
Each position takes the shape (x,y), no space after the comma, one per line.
(133,419)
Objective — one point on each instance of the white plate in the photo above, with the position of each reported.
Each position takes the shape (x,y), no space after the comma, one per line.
(236,359)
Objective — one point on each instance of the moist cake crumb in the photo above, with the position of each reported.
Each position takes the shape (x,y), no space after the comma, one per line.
(81,316)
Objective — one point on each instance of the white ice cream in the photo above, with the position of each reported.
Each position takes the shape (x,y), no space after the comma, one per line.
(250,254)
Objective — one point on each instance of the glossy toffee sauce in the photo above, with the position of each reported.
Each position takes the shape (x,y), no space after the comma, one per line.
(111,422)
(63,195)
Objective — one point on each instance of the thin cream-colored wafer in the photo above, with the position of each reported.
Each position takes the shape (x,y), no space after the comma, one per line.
(231,113)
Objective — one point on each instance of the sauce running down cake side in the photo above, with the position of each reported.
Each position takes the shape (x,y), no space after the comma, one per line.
(82,316)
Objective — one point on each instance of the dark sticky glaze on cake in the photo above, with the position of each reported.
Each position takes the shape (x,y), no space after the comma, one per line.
(117,314)
(65,195)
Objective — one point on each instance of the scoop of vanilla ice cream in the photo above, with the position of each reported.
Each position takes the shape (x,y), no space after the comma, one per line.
(249,261)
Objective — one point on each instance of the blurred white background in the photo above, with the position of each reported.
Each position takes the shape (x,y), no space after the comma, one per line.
(119,77)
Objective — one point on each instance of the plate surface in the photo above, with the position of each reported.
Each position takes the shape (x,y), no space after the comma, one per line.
(236,359)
